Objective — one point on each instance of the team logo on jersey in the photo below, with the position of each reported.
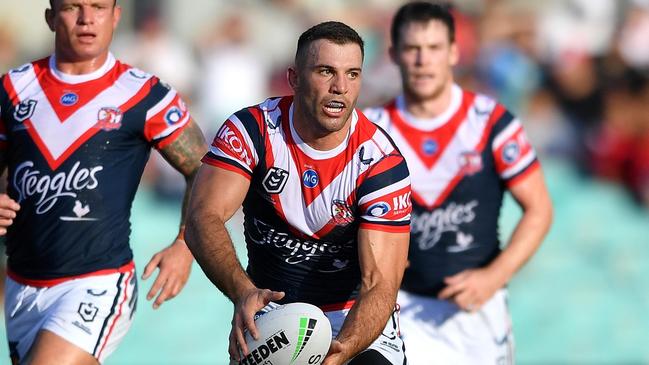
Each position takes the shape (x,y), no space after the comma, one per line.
(24,110)
(378,209)
(109,118)
(470,162)
(173,115)
(511,152)
(429,147)
(87,311)
(310,178)
(341,213)
(69,99)
(275,180)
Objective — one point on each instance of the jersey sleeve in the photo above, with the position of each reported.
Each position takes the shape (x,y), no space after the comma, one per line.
(166,118)
(4,108)
(513,154)
(384,196)
(237,145)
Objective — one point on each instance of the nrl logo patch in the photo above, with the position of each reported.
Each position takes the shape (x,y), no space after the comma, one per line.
(275,180)
(24,110)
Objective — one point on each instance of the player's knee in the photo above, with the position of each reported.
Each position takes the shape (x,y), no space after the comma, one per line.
(370,357)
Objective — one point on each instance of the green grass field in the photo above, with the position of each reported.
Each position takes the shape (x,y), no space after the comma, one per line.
(583,299)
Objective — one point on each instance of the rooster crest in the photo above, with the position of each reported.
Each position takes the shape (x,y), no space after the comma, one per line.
(80,210)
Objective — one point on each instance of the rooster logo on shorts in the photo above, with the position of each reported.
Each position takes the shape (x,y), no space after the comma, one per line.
(109,118)
(341,213)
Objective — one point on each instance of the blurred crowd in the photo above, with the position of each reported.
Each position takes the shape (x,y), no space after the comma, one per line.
(576,72)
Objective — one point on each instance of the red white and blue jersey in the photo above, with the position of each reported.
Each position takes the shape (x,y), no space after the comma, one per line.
(76,146)
(304,207)
(461,163)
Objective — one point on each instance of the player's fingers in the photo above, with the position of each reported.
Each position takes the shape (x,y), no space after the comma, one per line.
(273,296)
(450,291)
(449,280)
(7,213)
(238,333)
(233,348)
(157,284)
(8,203)
(6,222)
(165,294)
(150,267)
(249,323)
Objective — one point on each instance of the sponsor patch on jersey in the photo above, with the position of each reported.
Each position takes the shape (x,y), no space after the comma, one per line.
(511,152)
(21,69)
(69,99)
(310,178)
(109,118)
(173,115)
(275,180)
(470,162)
(429,147)
(378,209)
(341,212)
(24,110)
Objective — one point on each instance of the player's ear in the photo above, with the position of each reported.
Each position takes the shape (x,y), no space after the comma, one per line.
(291,76)
(117,15)
(49,18)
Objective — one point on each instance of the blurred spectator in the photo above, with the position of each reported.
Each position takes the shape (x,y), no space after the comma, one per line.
(233,73)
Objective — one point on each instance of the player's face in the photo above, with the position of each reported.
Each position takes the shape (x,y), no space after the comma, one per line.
(425,57)
(83,28)
(327,84)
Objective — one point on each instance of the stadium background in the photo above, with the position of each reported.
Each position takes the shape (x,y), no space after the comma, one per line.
(575,71)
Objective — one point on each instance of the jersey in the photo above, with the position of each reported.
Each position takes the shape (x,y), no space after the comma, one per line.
(76,147)
(461,163)
(304,207)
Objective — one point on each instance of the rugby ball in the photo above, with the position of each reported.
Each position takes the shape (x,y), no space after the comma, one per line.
(291,334)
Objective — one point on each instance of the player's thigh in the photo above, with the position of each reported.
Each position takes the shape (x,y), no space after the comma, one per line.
(51,349)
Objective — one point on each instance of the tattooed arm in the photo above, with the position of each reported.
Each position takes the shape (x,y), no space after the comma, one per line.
(174,262)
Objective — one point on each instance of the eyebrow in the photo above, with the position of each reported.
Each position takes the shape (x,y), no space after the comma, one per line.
(332,67)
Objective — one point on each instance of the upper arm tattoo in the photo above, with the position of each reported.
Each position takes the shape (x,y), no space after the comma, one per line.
(185,153)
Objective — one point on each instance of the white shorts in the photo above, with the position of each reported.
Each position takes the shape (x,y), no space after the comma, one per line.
(93,313)
(388,344)
(438,332)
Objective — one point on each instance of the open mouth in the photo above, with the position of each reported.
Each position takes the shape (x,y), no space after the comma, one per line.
(86,37)
(334,108)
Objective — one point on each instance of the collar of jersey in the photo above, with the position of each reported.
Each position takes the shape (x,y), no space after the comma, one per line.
(317,154)
(77,79)
(429,124)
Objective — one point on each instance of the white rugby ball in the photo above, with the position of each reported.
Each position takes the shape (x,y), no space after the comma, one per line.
(291,334)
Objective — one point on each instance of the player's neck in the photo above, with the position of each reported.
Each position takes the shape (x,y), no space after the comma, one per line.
(430,107)
(316,138)
(68,66)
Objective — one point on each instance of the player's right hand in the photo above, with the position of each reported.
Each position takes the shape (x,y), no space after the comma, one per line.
(8,209)
(245,308)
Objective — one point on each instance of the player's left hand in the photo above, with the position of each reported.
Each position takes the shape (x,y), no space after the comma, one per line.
(336,355)
(471,289)
(174,264)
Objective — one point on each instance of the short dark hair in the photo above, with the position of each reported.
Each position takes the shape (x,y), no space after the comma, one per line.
(422,12)
(336,32)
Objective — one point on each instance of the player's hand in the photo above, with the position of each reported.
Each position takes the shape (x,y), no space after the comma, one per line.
(471,289)
(8,209)
(245,308)
(336,354)
(174,264)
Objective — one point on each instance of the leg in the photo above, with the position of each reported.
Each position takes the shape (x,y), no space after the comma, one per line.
(50,349)
(369,357)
